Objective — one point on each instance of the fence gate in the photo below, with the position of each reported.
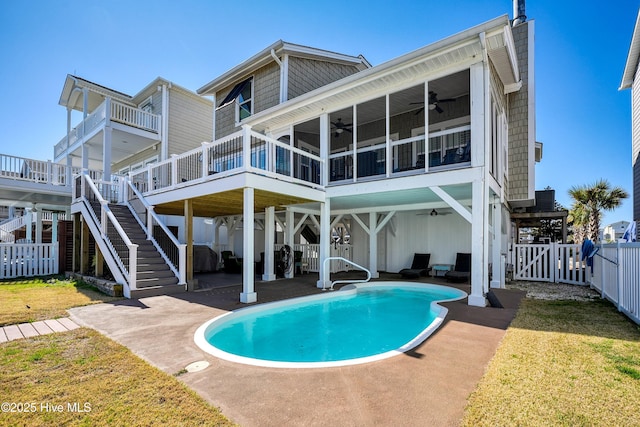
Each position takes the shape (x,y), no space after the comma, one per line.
(553,262)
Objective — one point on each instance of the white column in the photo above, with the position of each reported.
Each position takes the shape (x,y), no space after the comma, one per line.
(288,237)
(497,278)
(54,227)
(106,153)
(324,280)
(269,240)
(38,226)
(324,149)
(373,245)
(477,245)
(248,294)
(29,225)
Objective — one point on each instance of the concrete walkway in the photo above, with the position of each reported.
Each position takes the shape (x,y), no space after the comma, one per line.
(43,327)
(426,386)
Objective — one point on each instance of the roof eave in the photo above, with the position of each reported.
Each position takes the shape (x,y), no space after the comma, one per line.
(632,58)
(381,69)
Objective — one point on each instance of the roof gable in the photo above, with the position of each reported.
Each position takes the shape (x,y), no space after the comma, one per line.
(266,56)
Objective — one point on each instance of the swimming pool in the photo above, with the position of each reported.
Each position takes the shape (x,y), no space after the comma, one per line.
(358,324)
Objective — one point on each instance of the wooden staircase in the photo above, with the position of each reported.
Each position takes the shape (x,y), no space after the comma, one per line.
(154,276)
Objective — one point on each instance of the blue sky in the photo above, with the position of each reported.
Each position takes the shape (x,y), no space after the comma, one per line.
(581,49)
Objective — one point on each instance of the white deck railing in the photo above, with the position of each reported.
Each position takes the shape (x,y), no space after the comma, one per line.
(124,252)
(616,275)
(28,259)
(118,112)
(267,156)
(39,171)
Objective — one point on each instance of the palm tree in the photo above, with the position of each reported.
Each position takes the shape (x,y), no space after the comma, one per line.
(588,204)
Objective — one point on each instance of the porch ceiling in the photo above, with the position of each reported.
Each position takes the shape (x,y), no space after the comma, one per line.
(420,197)
(229,203)
(124,144)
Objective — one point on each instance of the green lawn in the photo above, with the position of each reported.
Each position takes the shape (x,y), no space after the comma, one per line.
(82,378)
(562,363)
(30,300)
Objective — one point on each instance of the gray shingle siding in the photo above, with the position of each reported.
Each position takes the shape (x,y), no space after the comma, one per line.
(266,94)
(518,117)
(306,75)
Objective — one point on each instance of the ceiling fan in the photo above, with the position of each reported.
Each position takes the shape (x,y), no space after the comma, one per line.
(434,212)
(433,102)
(339,127)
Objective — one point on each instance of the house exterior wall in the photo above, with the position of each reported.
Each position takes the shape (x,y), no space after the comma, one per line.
(306,75)
(190,124)
(189,121)
(520,158)
(635,144)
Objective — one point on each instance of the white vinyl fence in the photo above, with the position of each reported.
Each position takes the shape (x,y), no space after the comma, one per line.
(616,275)
(553,262)
(28,259)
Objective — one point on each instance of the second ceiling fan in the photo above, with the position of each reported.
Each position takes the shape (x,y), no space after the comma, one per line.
(433,102)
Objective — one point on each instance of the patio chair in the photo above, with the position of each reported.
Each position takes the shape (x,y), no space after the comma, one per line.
(419,267)
(231,264)
(462,270)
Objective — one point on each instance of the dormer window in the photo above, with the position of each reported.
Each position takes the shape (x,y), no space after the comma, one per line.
(242,94)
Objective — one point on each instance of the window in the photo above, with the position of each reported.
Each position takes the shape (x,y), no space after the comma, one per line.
(244,101)
(243,94)
(147,105)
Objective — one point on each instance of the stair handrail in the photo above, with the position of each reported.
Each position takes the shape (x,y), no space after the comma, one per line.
(10,225)
(106,214)
(346,280)
(152,217)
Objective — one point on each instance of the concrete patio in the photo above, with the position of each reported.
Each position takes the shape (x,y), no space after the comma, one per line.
(427,386)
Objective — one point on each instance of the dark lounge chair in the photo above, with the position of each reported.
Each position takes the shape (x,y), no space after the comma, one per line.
(462,270)
(419,267)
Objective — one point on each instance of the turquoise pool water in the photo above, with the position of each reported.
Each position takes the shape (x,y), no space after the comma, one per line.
(367,322)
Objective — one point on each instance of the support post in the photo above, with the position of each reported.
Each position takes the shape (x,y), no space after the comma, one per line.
(324,280)
(373,244)
(477,298)
(288,238)
(497,272)
(248,294)
(188,236)
(269,240)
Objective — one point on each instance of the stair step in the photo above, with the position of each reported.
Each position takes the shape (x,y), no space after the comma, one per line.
(165,281)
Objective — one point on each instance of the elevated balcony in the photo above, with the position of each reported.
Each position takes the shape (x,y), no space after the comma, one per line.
(139,123)
(447,150)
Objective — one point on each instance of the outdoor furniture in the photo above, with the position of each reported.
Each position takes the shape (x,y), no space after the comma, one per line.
(439,270)
(462,270)
(419,267)
(231,264)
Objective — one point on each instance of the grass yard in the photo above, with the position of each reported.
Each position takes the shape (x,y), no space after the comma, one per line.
(85,379)
(30,300)
(562,363)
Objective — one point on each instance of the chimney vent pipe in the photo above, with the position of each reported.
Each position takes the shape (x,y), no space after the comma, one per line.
(518,12)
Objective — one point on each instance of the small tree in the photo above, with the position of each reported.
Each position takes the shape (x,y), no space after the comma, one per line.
(588,204)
